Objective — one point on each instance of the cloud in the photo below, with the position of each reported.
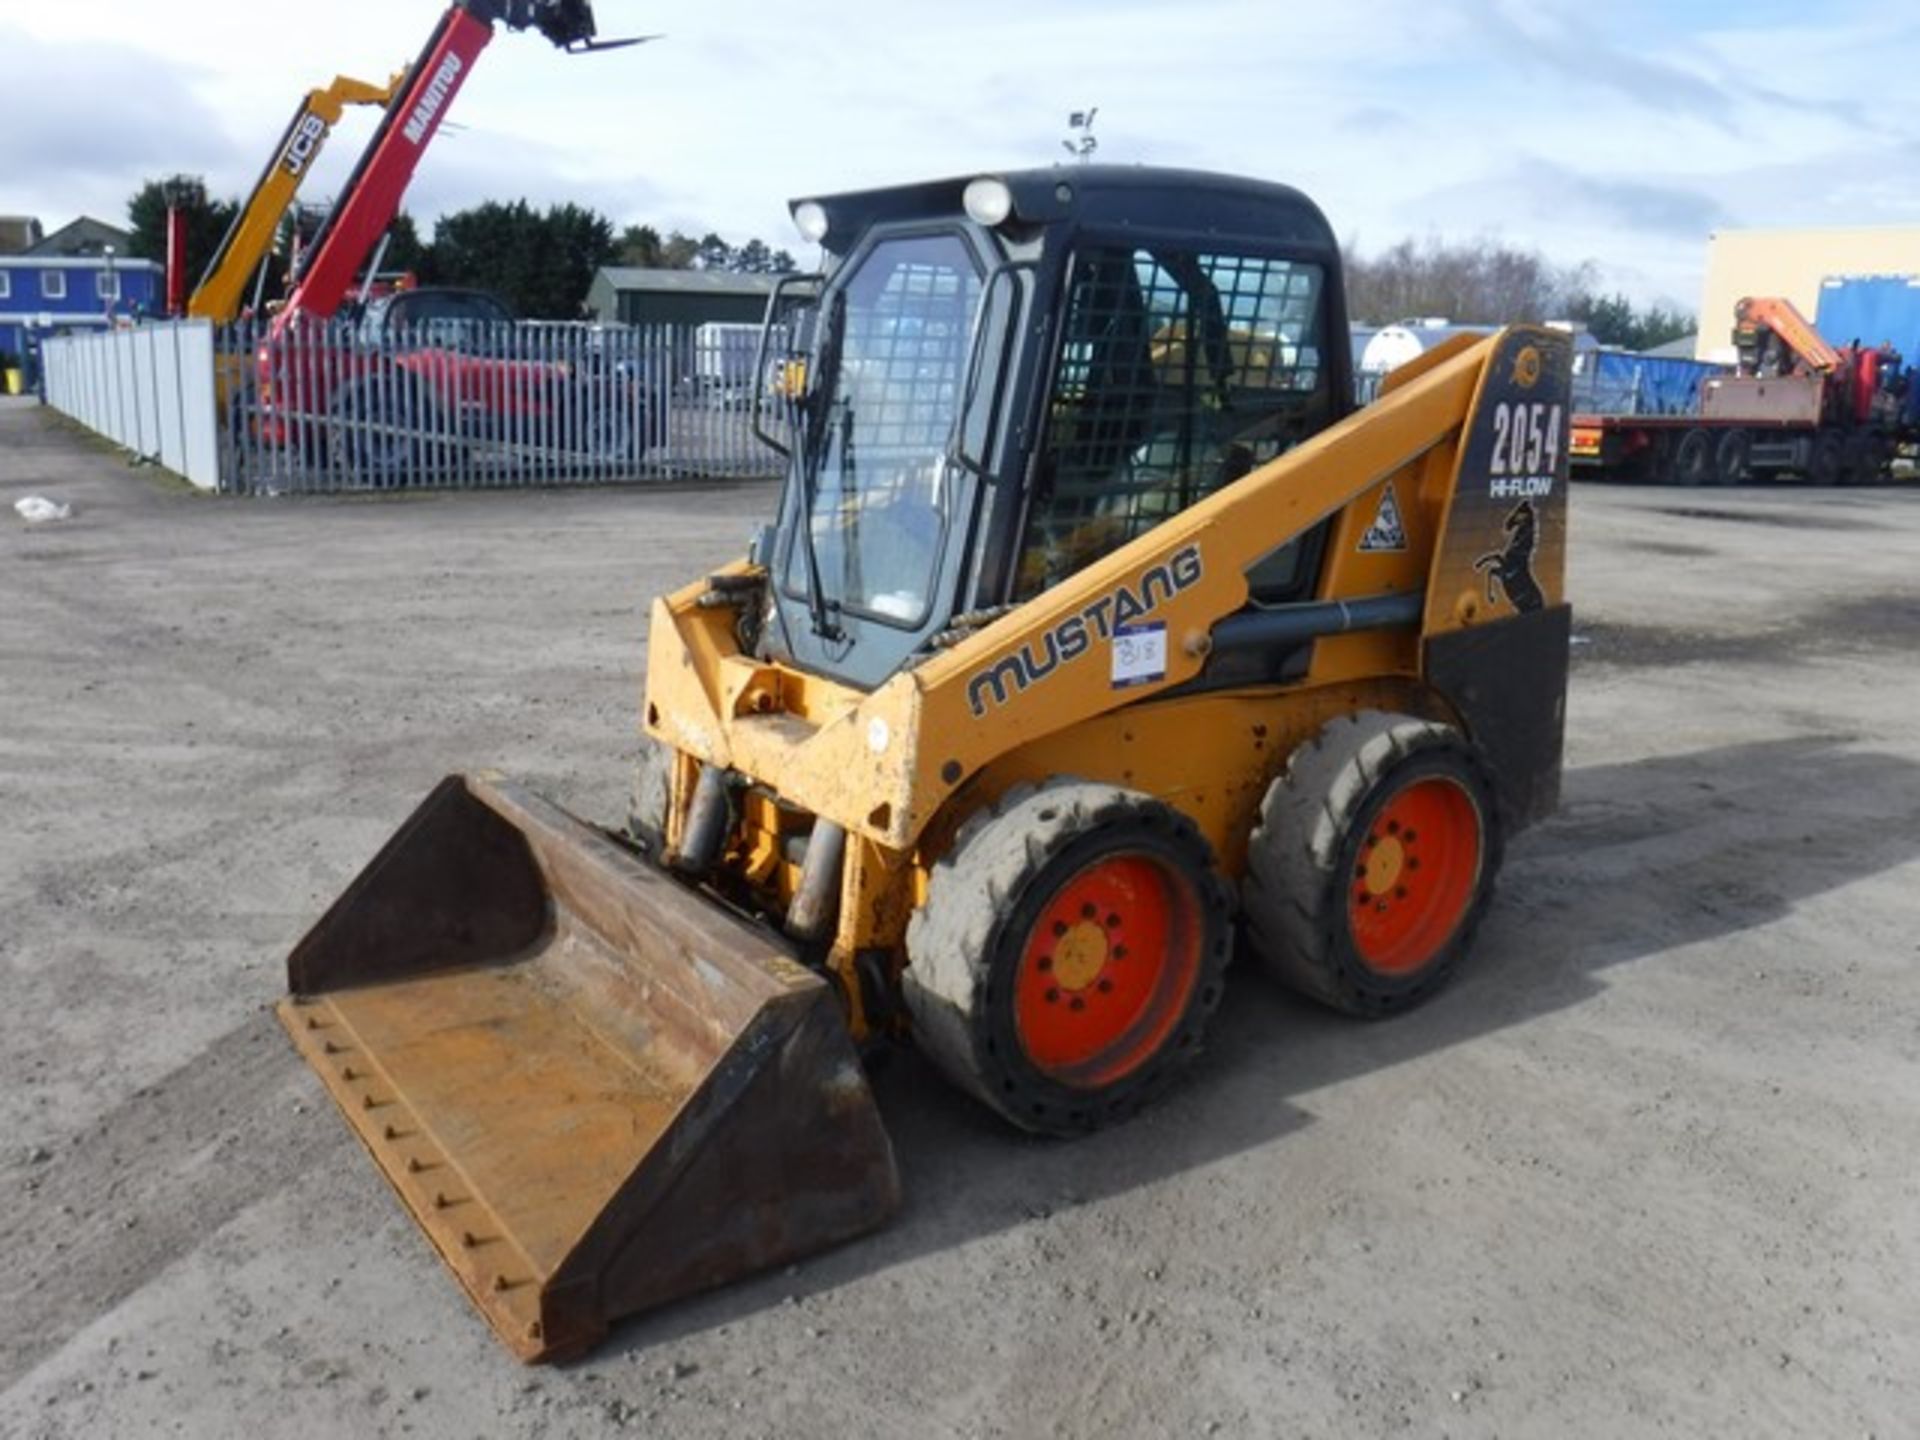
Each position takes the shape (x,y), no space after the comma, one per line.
(1375,120)
(1619,132)
(98,137)
(1694,77)
(1647,237)
(1567,46)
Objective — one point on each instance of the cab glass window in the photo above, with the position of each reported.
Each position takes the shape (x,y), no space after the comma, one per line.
(898,332)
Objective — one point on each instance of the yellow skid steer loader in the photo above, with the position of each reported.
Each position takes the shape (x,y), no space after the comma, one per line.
(1093,620)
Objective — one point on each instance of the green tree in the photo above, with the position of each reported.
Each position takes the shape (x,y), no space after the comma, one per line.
(645,247)
(642,247)
(207,221)
(1613,320)
(680,251)
(756,257)
(714,253)
(406,251)
(540,264)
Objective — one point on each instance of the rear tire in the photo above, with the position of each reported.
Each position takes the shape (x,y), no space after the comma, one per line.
(1730,458)
(1372,863)
(1069,955)
(1692,459)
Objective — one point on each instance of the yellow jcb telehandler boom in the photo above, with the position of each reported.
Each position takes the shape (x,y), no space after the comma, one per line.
(222,292)
(1094,628)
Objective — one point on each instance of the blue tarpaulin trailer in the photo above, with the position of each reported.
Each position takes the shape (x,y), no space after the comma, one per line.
(1621,382)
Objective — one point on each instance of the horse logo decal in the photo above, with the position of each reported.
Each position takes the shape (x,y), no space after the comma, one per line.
(1510,568)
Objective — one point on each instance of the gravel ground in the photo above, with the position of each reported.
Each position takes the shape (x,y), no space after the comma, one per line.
(1649,1168)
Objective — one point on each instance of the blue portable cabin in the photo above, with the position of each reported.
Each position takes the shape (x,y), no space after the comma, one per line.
(1873,310)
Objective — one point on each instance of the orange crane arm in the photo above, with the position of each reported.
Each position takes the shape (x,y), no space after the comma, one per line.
(1784,319)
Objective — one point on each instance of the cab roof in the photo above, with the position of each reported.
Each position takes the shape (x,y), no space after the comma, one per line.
(1199,202)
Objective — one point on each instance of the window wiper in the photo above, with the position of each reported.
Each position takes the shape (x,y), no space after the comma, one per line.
(813,455)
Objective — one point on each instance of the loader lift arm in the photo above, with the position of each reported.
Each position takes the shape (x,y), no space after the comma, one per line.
(977,696)
(222,290)
(414,115)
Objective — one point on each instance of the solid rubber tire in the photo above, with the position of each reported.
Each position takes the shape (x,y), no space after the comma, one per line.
(1302,853)
(963,946)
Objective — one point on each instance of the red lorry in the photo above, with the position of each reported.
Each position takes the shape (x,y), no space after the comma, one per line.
(1794,406)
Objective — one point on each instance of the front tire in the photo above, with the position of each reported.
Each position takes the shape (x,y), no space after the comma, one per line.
(1372,863)
(1069,955)
(376,432)
(1826,461)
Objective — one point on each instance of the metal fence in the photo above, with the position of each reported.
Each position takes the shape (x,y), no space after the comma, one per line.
(321,408)
(445,405)
(149,389)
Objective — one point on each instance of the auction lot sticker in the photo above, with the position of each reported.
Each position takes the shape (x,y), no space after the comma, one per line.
(1139,654)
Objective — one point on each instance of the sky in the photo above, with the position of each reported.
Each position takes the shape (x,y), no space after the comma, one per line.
(1620,132)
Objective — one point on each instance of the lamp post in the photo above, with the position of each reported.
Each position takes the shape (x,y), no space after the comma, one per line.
(113,287)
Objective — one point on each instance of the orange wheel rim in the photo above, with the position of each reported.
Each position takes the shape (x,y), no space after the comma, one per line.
(1107,970)
(1414,876)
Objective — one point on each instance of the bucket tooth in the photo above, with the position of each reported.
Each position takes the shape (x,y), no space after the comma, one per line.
(594,1090)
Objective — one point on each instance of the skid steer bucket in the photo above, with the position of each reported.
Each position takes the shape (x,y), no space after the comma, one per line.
(595,1090)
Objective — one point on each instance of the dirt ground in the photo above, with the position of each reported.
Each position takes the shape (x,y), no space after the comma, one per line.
(1652,1167)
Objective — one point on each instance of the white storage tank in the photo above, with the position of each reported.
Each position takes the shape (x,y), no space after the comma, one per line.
(1394,345)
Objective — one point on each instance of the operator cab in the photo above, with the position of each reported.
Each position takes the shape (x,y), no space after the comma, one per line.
(458,319)
(1005,379)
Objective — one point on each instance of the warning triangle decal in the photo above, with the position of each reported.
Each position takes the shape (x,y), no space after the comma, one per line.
(1387,533)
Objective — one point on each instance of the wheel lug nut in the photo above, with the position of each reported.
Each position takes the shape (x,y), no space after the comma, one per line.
(1077,1003)
(1059,928)
(1106,987)
(1044,964)
(1053,997)
(1087,912)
